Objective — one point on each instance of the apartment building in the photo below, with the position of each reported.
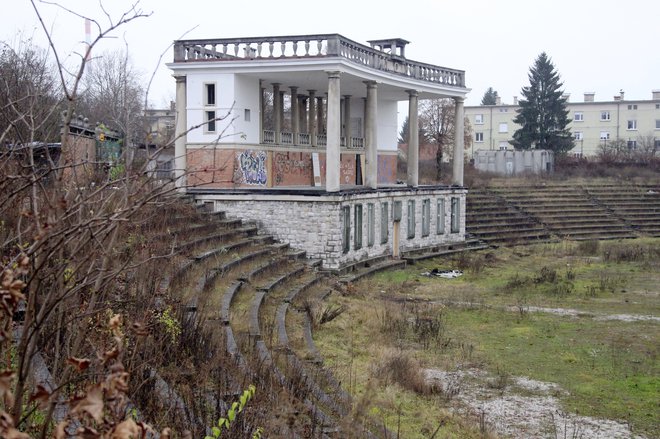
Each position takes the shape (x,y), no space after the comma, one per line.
(593,123)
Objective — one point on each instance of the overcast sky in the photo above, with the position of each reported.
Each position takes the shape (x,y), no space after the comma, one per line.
(597,45)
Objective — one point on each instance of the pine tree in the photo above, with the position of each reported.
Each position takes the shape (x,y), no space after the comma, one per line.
(490,97)
(542,114)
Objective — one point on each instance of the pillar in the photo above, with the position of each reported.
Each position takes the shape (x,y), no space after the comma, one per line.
(311,118)
(319,115)
(303,114)
(282,110)
(295,117)
(333,146)
(347,121)
(459,142)
(277,121)
(181,127)
(370,140)
(262,111)
(413,140)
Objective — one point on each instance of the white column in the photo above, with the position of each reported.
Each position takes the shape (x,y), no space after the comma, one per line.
(181,137)
(333,147)
(303,115)
(347,120)
(319,115)
(371,141)
(295,117)
(311,121)
(277,114)
(459,142)
(262,111)
(413,140)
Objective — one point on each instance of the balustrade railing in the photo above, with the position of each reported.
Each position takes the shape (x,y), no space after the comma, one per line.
(304,139)
(307,46)
(269,136)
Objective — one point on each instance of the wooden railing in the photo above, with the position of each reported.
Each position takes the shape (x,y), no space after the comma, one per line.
(309,46)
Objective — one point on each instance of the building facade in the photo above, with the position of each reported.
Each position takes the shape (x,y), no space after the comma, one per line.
(308,125)
(593,123)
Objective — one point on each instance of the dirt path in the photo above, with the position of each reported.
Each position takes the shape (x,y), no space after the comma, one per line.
(518,407)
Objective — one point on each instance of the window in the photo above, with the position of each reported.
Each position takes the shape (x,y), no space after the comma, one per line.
(209,94)
(371,227)
(656,143)
(440,217)
(210,121)
(632,124)
(504,127)
(478,119)
(246,115)
(504,146)
(479,137)
(657,124)
(578,116)
(604,135)
(411,219)
(455,215)
(632,144)
(426,217)
(346,231)
(384,223)
(657,106)
(357,221)
(578,135)
(504,110)
(632,106)
(604,115)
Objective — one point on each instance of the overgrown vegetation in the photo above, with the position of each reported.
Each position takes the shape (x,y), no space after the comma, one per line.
(504,316)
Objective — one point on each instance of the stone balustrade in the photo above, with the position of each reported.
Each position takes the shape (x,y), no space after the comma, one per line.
(304,139)
(313,46)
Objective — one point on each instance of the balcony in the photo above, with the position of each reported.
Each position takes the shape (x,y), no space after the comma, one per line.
(310,47)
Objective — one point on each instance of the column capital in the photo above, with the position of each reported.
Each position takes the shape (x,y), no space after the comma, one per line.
(459,99)
(371,84)
(347,96)
(276,84)
(412,92)
(312,93)
(294,89)
(180,78)
(333,74)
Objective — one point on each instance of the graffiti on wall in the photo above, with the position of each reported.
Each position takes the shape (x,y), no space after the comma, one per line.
(252,166)
(292,168)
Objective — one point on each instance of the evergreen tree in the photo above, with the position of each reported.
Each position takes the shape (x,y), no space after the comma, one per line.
(490,97)
(542,114)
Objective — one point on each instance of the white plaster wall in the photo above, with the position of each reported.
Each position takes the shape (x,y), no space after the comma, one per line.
(246,92)
(224,83)
(388,131)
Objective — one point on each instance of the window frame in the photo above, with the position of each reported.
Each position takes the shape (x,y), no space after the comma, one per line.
(478,119)
(440,217)
(455,226)
(210,122)
(578,135)
(207,87)
(505,125)
(479,137)
(426,217)
(632,124)
(346,229)
(357,226)
(384,222)
(578,116)
(605,115)
(371,226)
(410,229)
(606,137)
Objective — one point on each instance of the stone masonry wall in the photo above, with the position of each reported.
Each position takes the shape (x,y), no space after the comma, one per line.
(315,223)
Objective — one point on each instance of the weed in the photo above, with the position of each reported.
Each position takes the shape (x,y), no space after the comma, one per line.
(399,367)
(588,248)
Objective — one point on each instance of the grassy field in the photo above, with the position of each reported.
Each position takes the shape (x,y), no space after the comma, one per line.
(603,354)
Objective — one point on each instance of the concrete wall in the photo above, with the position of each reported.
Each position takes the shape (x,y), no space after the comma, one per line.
(315,224)
(514,162)
(388,131)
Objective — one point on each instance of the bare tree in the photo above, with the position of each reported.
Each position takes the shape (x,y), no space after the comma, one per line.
(437,120)
(113,94)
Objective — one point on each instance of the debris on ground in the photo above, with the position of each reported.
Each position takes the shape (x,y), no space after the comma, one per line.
(445,274)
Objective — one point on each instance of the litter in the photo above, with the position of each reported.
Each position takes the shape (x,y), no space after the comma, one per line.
(445,274)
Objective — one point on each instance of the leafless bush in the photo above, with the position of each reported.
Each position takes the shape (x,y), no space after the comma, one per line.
(405,371)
